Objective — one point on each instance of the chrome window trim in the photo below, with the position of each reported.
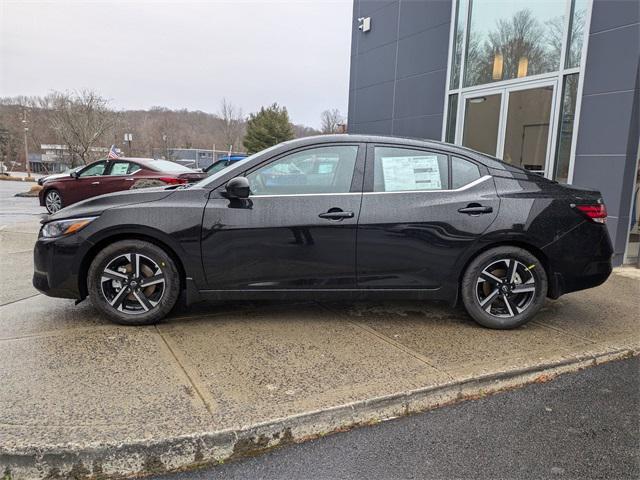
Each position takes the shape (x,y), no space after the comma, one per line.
(464,187)
(478,181)
(305,195)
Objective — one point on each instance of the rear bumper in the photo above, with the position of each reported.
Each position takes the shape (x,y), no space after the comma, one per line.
(579,260)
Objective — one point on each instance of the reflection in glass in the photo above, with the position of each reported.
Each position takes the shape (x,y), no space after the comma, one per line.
(513,39)
(481,123)
(527,132)
(458,39)
(452,114)
(576,33)
(565,129)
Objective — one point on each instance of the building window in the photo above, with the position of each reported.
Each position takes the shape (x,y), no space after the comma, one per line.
(514,70)
(514,39)
(565,128)
(576,33)
(452,112)
(458,41)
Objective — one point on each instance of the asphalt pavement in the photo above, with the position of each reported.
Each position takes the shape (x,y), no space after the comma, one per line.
(16,209)
(580,426)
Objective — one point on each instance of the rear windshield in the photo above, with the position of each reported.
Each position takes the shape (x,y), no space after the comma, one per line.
(166,166)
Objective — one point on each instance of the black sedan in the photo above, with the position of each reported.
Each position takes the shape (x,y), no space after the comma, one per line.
(345,216)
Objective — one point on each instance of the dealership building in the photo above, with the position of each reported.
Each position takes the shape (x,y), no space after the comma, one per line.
(552,86)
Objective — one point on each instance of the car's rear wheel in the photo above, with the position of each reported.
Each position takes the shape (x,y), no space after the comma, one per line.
(504,287)
(53,201)
(133,282)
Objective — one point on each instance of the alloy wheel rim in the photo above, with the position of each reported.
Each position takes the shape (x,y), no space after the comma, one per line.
(54,203)
(505,288)
(133,283)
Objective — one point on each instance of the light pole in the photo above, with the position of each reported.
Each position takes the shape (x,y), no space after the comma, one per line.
(26,145)
(128,137)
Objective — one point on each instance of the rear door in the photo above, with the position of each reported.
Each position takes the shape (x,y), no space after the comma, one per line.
(421,210)
(297,230)
(120,176)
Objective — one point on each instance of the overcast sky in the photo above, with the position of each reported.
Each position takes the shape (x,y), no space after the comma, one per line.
(182,54)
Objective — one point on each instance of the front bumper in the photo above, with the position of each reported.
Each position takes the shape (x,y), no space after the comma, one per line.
(57,265)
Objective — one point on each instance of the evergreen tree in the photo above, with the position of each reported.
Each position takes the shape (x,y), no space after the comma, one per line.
(268,127)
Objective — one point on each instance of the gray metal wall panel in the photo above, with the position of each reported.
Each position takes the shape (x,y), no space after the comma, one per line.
(617,52)
(417,15)
(374,103)
(428,126)
(423,52)
(609,14)
(384,28)
(607,143)
(376,66)
(408,38)
(414,95)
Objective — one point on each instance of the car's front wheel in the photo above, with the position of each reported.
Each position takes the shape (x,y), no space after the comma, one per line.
(504,287)
(133,282)
(53,201)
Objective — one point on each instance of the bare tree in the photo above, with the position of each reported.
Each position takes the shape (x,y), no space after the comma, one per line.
(82,120)
(332,121)
(232,123)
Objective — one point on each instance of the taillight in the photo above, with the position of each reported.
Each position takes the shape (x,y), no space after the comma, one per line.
(172,180)
(596,212)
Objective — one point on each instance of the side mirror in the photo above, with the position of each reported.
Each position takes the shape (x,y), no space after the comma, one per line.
(75,174)
(238,187)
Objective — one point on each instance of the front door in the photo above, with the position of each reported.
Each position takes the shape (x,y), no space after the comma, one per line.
(89,183)
(512,123)
(297,230)
(421,211)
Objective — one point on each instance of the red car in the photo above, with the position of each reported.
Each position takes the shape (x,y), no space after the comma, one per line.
(107,176)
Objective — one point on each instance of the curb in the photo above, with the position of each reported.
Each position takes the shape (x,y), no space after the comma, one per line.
(210,448)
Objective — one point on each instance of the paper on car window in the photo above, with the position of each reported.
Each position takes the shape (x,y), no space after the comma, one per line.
(411,173)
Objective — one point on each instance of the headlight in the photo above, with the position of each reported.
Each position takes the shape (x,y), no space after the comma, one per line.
(65,227)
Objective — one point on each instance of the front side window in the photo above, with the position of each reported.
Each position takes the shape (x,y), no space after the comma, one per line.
(94,169)
(316,170)
(402,169)
(463,172)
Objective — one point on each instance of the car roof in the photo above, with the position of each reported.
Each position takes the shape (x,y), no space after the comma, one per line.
(486,160)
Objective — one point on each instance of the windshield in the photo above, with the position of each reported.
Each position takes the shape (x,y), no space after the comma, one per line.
(234,166)
(216,167)
(167,166)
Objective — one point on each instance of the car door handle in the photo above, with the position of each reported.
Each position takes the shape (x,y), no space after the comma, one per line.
(129,179)
(475,209)
(95,183)
(336,215)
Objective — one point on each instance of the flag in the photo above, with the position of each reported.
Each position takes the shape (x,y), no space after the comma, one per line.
(112,153)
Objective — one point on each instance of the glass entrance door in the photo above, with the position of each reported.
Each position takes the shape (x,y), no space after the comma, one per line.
(513,123)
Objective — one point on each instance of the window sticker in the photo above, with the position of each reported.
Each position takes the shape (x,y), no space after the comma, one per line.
(411,173)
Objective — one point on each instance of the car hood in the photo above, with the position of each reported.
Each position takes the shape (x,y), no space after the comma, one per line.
(96,205)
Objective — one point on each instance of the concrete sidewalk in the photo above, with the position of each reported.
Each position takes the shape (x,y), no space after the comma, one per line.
(82,397)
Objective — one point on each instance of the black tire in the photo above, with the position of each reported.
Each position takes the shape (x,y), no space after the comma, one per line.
(495,301)
(138,304)
(49,201)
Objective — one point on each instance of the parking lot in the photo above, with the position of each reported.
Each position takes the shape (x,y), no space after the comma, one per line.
(221,381)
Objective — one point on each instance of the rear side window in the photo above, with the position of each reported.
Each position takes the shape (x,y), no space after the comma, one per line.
(119,168)
(402,169)
(463,172)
